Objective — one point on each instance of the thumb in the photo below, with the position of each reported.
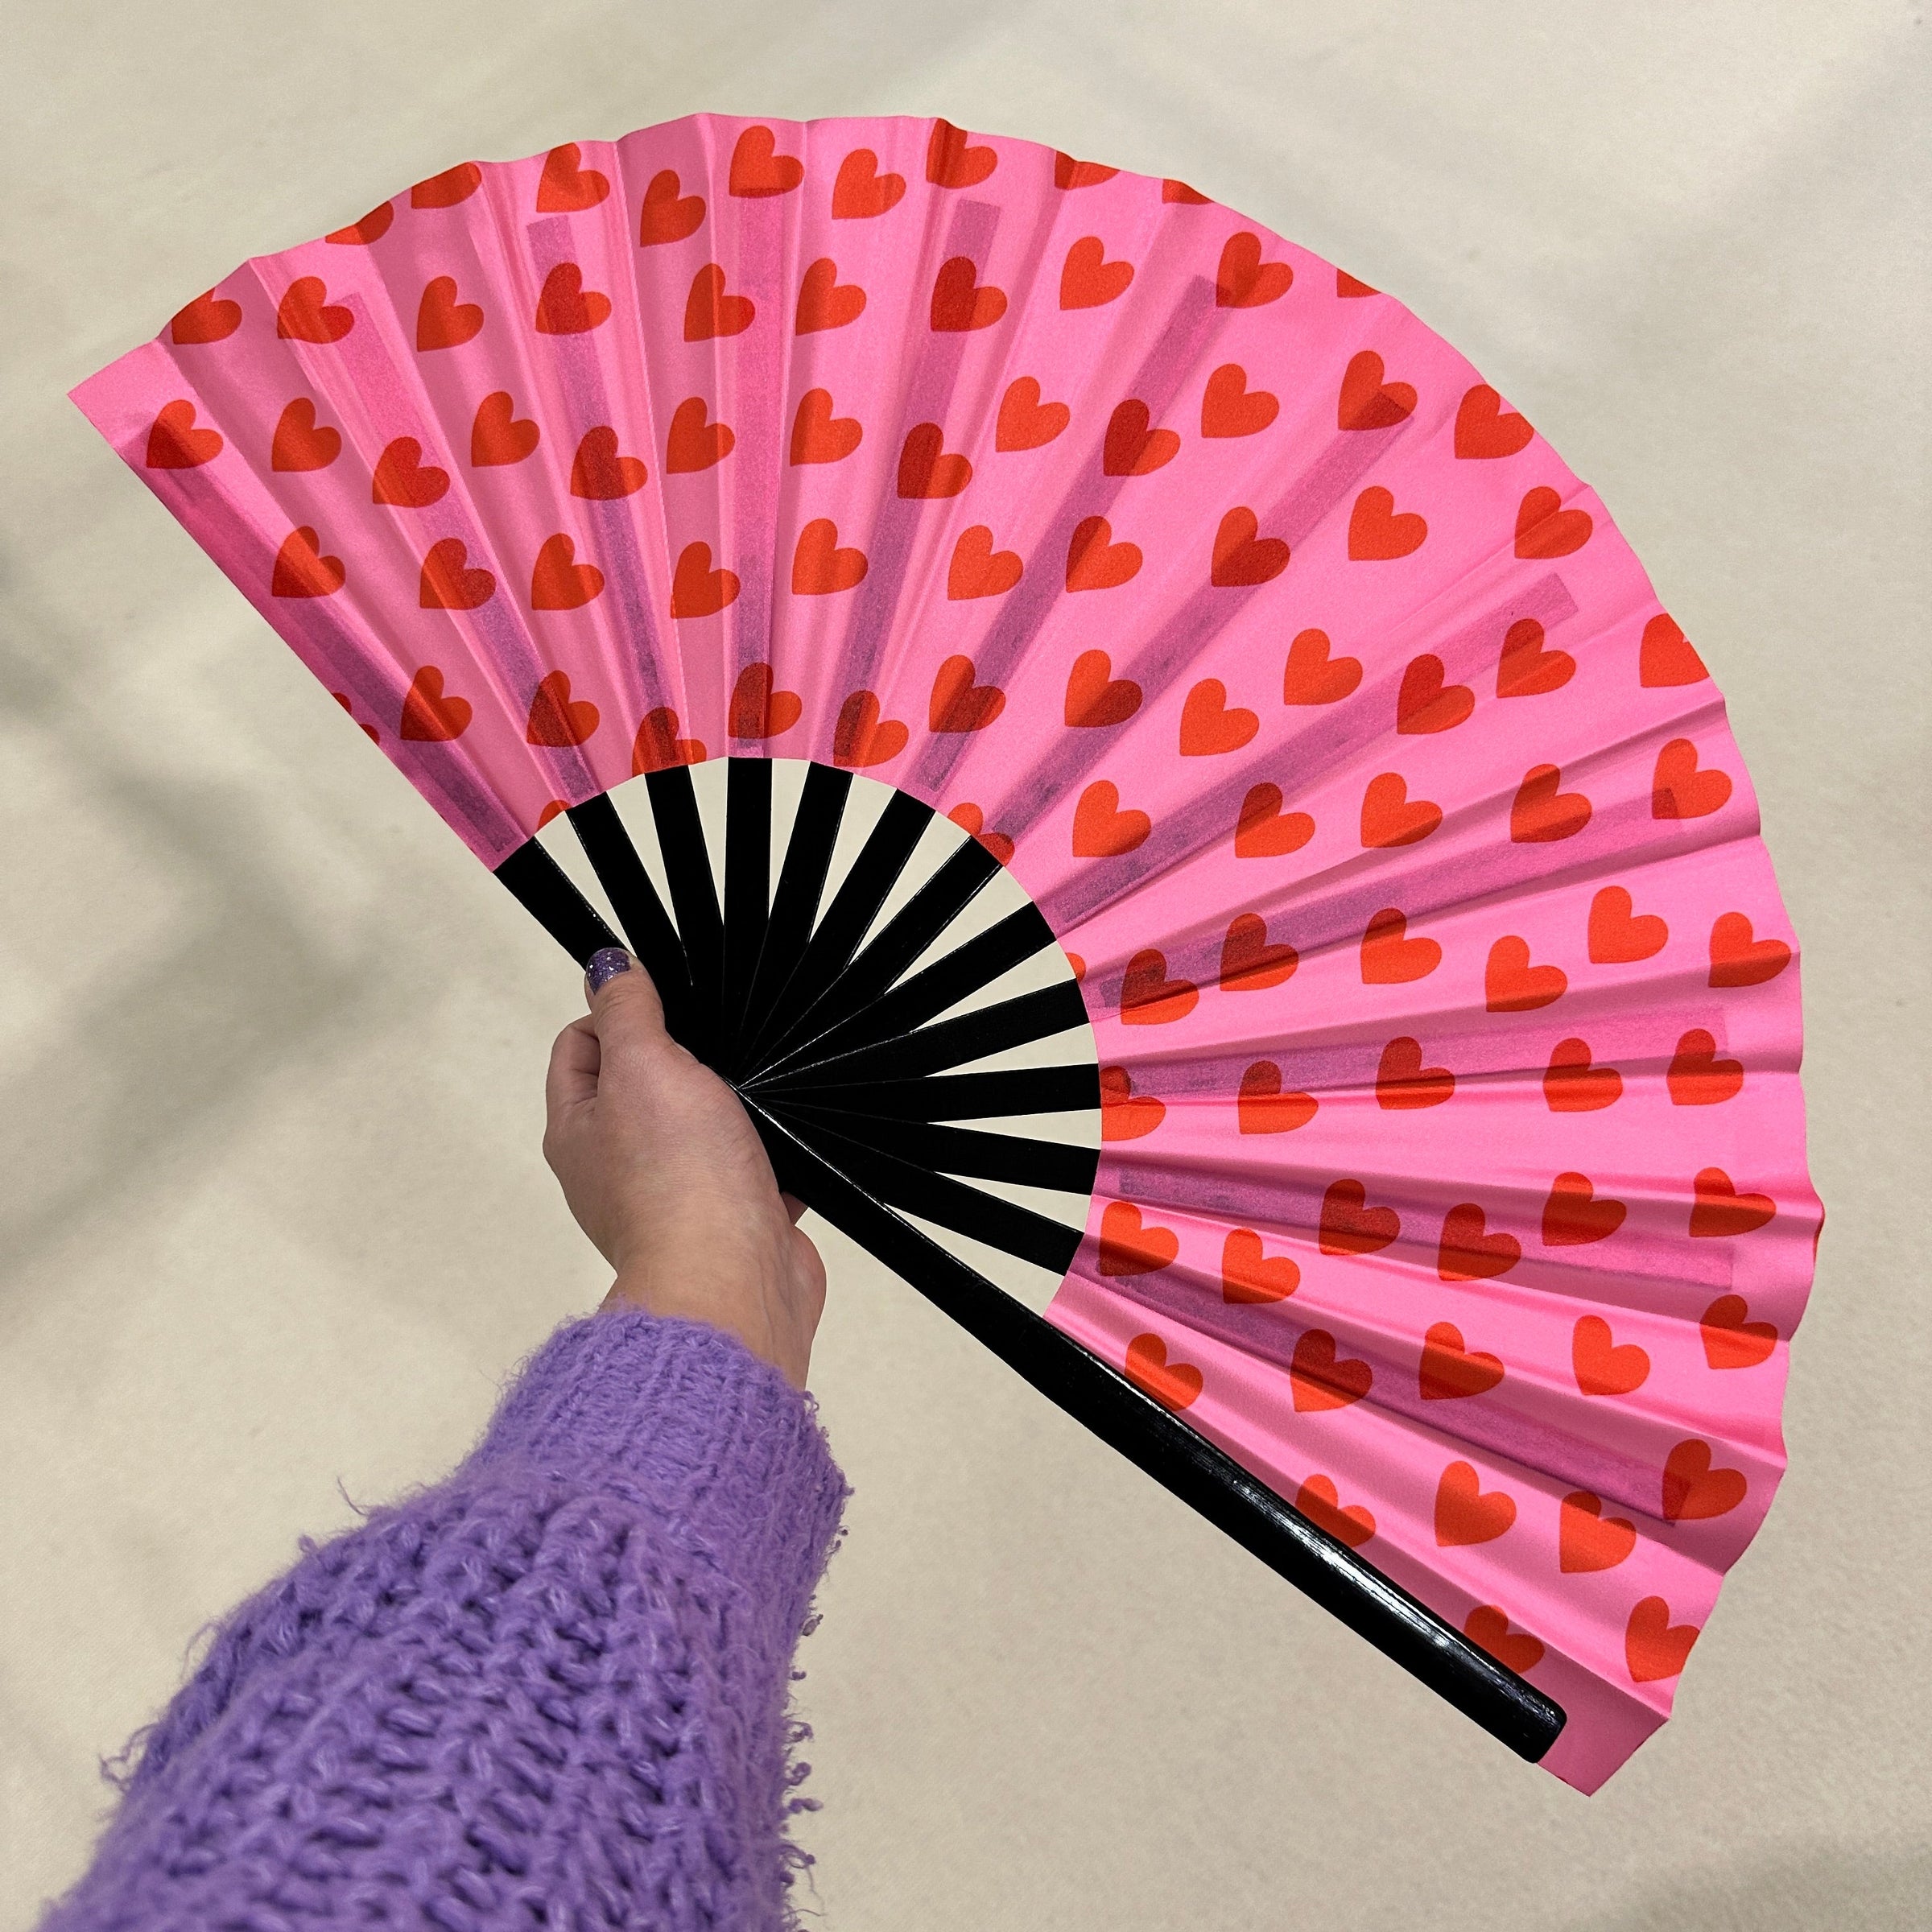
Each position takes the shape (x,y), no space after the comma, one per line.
(625,1009)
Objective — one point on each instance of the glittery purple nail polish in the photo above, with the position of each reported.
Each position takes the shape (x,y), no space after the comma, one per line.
(605,965)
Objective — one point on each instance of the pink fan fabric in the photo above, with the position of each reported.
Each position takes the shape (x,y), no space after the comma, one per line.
(1454,1173)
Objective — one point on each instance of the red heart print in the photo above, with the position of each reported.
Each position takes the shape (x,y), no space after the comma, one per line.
(1693,1489)
(1127,1247)
(657,747)
(1484,428)
(758,170)
(558,582)
(1095,561)
(1311,676)
(1230,408)
(1319,1380)
(1368,402)
(951,161)
(959,302)
(692,444)
(372,227)
(1125,1115)
(978,570)
(556,718)
(1678,790)
(1543,812)
(1025,422)
(927,468)
(1262,1105)
(403,479)
(1390,957)
(499,434)
(1250,1276)
(1148,998)
(1466,1512)
(300,442)
(1666,656)
(601,472)
(820,567)
(174,443)
(1378,532)
(565,307)
(1132,447)
(825,302)
(209,318)
(1739,959)
(1403,1083)
(1545,528)
(1732,1339)
(447,189)
(958,703)
(1487,1628)
(429,716)
(1602,1364)
(1263,830)
(1241,555)
(862,737)
(1526,668)
(1248,963)
(1089,279)
(1720,1211)
(1450,1370)
(1350,1226)
(1619,935)
(1173,1384)
(972,821)
(1576,1214)
(666,215)
(1512,984)
(302,571)
(1654,1648)
(1425,703)
(1466,1252)
(696,589)
(1070,173)
(861,192)
(818,435)
(1391,817)
(710,311)
(305,314)
(1210,725)
(1347,285)
(758,710)
(448,583)
(1094,696)
(1180,192)
(370,731)
(1572,1085)
(1587,1539)
(1319,1501)
(1697,1077)
(565,187)
(1243,280)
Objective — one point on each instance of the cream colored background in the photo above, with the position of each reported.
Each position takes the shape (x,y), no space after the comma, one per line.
(274,1215)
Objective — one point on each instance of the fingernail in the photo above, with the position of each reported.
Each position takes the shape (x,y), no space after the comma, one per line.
(605,965)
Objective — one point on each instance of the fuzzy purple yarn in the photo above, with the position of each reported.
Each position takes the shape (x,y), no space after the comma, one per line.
(551,1693)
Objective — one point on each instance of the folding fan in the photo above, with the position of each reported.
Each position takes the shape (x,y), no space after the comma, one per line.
(1139,766)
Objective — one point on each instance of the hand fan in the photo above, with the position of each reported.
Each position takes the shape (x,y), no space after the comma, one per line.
(1140,768)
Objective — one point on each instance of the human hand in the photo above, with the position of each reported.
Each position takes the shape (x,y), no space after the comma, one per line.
(665,1173)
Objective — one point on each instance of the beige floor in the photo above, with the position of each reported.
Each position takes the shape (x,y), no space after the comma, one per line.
(273,1215)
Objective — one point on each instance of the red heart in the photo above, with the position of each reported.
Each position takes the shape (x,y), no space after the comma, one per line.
(1095,561)
(598,471)
(1391,817)
(1693,1489)
(1403,1083)
(819,566)
(861,736)
(1148,998)
(1248,963)
(1543,812)
(972,821)
(564,188)
(1526,669)
(1025,422)
(1350,1226)
(1574,1215)
(499,434)
(446,584)
(1666,656)
(1512,984)
(1230,408)
(567,307)
(1619,936)
(556,718)
(1263,830)
(1210,725)
(429,718)
(1348,285)
(174,443)
(1720,1211)
(1318,1499)
(1390,957)
(1368,402)
(1738,959)
(300,442)
(1587,1539)
(757,169)
(1095,698)
(1488,1627)
(817,435)
(757,709)
(1655,1648)
(666,216)
(401,477)
(1070,173)
(959,302)
(861,192)
(1697,1077)
(445,190)
(1545,528)
(951,162)
(1250,1276)
(825,302)
(958,703)
(1466,1252)
(696,589)
(927,469)
(1243,280)
(1679,790)
(1089,279)
(692,444)
(1173,1384)
(1484,428)
(1243,557)
(1572,1085)
(1377,533)
(1319,1381)
(372,227)
(1602,1365)
(302,571)
(305,313)
(709,311)
(1125,1115)
(1310,676)
(373,736)
(1731,1339)
(1449,1370)
(1425,703)
(209,318)
(978,570)
(557,583)
(1179,191)
(1128,1248)
(1133,447)
(1262,1107)
(657,747)
(1466,1512)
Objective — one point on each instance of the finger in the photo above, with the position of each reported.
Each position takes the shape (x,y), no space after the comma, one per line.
(574,1057)
(793,1206)
(624,1004)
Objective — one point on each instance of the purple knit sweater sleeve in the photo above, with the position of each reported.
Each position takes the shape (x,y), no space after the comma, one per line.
(550,1694)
